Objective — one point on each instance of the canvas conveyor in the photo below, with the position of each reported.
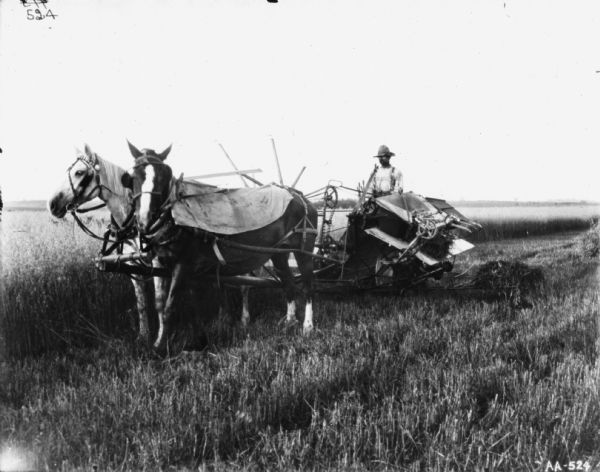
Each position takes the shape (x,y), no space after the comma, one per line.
(429,216)
(397,240)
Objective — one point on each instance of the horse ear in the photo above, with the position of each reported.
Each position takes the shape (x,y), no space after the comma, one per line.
(92,156)
(163,155)
(127,181)
(135,152)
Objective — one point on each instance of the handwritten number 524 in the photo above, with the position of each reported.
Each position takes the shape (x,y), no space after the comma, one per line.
(36,14)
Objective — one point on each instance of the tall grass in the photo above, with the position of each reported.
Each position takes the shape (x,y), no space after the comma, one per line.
(419,382)
(530,220)
(51,294)
(494,230)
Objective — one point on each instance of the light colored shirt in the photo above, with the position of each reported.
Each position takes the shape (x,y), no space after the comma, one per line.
(386,180)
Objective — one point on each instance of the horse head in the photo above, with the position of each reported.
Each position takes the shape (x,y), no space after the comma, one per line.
(81,185)
(150,181)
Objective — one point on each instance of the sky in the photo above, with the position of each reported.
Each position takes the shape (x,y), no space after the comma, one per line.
(492,100)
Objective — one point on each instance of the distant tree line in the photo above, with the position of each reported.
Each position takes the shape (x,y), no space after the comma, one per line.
(342,203)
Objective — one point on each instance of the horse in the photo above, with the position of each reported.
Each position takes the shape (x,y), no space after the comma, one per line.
(189,252)
(224,307)
(91,177)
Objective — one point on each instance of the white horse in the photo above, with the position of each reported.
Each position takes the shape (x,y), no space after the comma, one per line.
(91,177)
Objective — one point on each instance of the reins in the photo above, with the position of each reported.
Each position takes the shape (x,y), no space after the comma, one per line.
(304,227)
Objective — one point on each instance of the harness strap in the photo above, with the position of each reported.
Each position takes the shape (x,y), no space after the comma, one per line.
(297,229)
(273,250)
(88,209)
(121,233)
(92,174)
(85,229)
(218,252)
(302,226)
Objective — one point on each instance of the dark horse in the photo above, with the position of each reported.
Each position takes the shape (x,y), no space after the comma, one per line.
(189,252)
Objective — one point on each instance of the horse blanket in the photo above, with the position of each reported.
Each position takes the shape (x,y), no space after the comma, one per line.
(227,211)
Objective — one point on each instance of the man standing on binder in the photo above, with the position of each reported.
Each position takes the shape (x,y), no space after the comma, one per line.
(385,179)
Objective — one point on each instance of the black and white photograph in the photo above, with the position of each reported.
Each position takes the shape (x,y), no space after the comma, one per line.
(304,235)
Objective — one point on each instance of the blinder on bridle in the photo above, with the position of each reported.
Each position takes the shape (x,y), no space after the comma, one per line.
(92,169)
(143,161)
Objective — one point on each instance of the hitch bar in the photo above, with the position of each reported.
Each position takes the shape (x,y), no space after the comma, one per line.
(121,263)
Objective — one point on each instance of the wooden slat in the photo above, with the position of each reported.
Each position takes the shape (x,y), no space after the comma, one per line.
(399,244)
(224,174)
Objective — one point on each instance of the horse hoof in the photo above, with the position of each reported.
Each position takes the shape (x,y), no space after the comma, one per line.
(143,342)
(143,338)
(306,330)
(288,322)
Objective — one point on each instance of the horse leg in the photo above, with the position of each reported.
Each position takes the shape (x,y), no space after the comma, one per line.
(168,311)
(225,312)
(305,265)
(282,269)
(161,287)
(148,322)
(245,289)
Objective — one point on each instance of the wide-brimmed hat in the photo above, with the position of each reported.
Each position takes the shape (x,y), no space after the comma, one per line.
(384,151)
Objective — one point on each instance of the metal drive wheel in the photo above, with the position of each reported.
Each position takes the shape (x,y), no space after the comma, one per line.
(427,228)
(330,197)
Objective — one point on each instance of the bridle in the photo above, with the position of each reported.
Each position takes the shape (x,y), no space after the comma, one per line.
(147,240)
(91,174)
(122,232)
(143,161)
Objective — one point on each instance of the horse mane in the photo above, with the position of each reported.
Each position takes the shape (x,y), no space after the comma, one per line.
(118,197)
(112,175)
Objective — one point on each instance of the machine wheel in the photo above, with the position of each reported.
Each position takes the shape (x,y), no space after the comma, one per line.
(330,197)
(427,229)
